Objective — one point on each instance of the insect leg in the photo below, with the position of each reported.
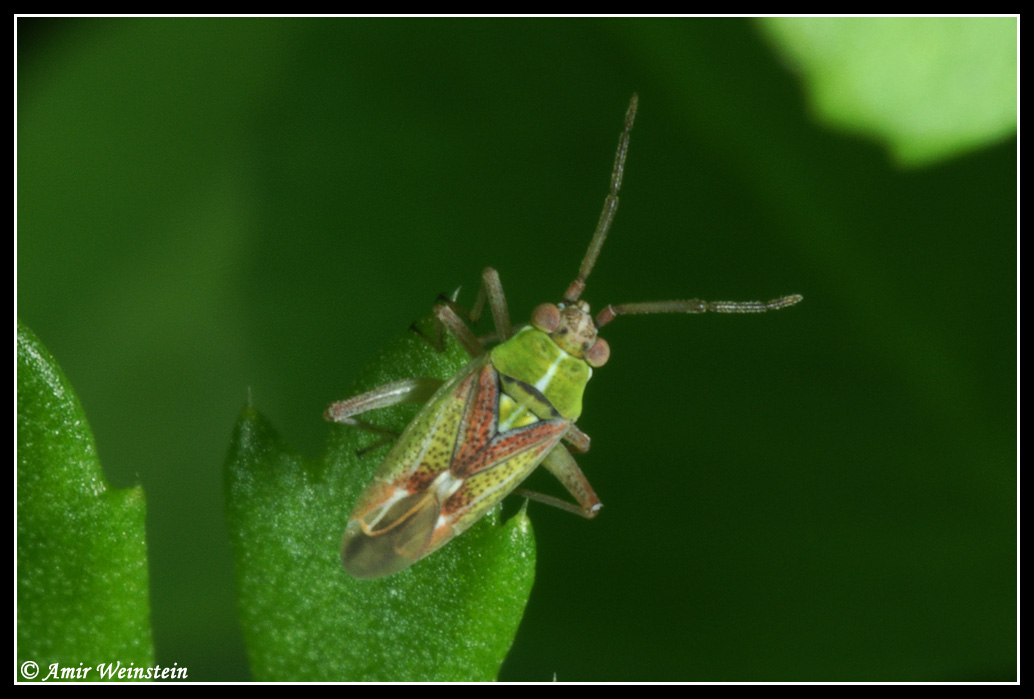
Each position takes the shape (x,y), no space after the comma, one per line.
(437,340)
(561,464)
(492,289)
(578,440)
(455,325)
(415,390)
(450,316)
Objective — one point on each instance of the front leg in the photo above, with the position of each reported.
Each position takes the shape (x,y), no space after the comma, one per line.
(450,316)
(492,290)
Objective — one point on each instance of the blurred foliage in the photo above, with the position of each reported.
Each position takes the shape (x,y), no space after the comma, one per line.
(931,88)
(208,206)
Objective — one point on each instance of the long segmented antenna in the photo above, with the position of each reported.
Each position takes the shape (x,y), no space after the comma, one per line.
(610,207)
(694,306)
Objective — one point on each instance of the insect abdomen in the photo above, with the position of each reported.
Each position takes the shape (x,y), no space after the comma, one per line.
(398,539)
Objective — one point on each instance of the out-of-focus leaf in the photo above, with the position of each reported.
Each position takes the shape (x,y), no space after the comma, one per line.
(929,88)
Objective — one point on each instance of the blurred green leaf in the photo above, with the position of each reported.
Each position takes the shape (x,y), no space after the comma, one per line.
(929,88)
(451,616)
(82,552)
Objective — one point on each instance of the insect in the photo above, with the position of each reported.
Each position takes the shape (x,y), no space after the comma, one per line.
(480,434)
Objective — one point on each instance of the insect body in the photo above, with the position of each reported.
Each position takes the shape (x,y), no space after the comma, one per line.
(480,434)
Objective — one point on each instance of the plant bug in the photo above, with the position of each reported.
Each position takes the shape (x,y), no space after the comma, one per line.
(480,434)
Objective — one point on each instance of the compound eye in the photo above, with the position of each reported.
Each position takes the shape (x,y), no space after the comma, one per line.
(546,317)
(598,354)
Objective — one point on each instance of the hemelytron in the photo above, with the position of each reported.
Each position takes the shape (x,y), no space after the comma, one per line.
(480,434)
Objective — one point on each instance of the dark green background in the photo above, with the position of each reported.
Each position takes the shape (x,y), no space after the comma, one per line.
(207,207)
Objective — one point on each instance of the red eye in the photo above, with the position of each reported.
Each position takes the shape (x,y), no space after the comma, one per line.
(546,317)
(598,354)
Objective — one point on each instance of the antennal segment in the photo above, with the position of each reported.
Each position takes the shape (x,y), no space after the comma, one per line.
(610,207)
(694,306)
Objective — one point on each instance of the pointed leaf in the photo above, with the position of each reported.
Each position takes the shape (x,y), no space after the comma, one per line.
(82,553)
(451,616)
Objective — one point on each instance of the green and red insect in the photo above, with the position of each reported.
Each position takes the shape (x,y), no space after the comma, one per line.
(480,434)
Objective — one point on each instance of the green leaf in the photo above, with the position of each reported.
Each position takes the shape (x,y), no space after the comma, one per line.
(451,616)
(82,552)
(929,88)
